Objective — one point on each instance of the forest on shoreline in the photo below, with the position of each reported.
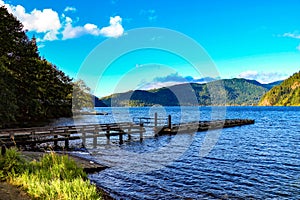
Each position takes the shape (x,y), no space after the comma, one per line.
(32,89)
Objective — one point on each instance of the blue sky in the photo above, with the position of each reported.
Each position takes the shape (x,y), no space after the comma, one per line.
(250,39)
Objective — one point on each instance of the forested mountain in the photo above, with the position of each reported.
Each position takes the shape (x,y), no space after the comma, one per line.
(285,94)
(31,88)
(231,92)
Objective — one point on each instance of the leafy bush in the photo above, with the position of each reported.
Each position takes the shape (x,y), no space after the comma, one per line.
(11,164)
(53,166)
(54,177)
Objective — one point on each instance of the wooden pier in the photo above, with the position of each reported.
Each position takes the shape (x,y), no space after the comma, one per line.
(38,135)
(202,126)
(63,134)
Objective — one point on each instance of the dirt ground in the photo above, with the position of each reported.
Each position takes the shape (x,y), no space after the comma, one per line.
(10,192)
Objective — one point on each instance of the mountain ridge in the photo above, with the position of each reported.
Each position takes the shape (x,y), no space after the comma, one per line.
(236,91)
(286,93)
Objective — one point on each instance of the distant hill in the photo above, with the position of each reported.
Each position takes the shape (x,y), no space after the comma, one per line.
(285,94)
(271,85)
(98,102)
(235,92)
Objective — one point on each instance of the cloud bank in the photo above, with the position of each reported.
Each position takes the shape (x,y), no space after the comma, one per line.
(48,24)
(294,35)
(69,8)
(172,79)
(263,77)
(115,29)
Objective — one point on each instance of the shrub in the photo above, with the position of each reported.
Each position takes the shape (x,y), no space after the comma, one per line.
(11,164)
(54,177)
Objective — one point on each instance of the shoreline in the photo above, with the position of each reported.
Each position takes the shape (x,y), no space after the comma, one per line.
(88,166)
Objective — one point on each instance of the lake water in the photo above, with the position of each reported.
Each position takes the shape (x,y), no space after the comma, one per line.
(260,161)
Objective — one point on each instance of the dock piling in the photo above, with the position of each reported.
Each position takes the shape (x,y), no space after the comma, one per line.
(67,135)
(129,132)
(54,137)
(83,136)
(141,131)
(169,122)
(95,137)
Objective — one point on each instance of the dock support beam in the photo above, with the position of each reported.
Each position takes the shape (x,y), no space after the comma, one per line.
(55,138)
(169,122)
(67,138)
(95,137)
(141,131)
(129,132)
(121,137)
(108,134)
(83,136)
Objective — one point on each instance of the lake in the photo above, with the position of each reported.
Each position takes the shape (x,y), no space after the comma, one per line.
(260,161)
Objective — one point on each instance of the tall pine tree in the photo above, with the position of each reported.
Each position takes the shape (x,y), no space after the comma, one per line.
(31,88)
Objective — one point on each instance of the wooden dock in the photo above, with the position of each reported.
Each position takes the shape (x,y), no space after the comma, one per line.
(202,126)
(38,135)
(91,132)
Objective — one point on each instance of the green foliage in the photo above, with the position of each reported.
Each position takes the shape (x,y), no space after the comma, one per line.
(31,88)
(81,96)
(11,164)
(222,92)
(53,166)
(75,189)
(285,94)
(54,177)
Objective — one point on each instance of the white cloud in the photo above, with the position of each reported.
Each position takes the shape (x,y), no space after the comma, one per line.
(115,28)
(172,79)
(70,31)
(40,21)
(69,8)
(47,23)
(292,35)
(263,77)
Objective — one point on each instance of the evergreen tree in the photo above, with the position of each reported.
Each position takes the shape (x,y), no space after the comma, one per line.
(31,88)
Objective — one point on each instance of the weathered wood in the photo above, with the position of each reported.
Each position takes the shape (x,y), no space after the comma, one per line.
(95,138)
(204,126)
(39,135)
(55,136)
(129,132)
(141,132)
(169,122)
(83,137)
(67,137)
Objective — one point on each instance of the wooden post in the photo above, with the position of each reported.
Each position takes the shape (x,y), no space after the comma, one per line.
(95,137)
(107,134)
(120,137)
(54,137)
(12,136)
(129,132)
(66,139)
(83,136)
(141,131)
(155,119)
(169,122)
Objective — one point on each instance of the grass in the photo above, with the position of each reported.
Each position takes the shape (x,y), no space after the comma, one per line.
(53,177)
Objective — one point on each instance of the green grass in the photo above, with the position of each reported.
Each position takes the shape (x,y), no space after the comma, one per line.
(53,177)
